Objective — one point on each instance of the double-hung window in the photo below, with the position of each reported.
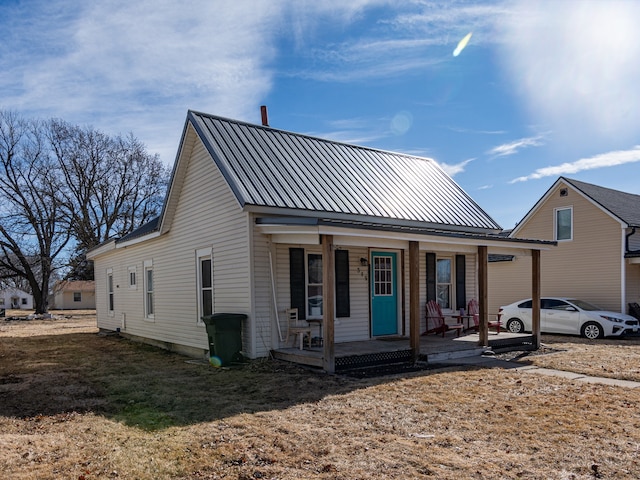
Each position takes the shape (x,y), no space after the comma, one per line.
(314,285)
(443,282)
(149,301)
(204,262)
(110,292)
(77,296)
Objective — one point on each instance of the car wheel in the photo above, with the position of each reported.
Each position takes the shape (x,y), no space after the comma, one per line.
(592,330)
(515,325)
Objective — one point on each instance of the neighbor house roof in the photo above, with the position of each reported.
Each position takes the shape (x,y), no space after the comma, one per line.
(274,172)
(75,285)
(625,206)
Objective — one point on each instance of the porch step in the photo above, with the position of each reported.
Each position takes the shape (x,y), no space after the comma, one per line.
(507,344)
(452,355)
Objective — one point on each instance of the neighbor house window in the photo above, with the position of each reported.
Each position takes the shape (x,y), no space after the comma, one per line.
(24,301)
(77,296)
(314,285)
(443,282)
(148,289)
(133,281)
(110,293)
(204,261)
(564,223)
(1,302)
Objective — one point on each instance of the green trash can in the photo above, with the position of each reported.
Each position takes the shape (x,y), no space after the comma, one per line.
(225,337)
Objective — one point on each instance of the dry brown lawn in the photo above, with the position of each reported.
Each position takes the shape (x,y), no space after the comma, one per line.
(78,405)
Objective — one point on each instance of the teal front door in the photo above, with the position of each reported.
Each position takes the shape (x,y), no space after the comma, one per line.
(384,294)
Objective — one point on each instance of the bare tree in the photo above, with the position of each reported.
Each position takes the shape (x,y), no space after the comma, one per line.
(65,189)
(33,230)
(112,184)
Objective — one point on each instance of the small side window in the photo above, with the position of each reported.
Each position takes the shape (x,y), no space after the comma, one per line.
(564,224)
(77,296)
(133,280)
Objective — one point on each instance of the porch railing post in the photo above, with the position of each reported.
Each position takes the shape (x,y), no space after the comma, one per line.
(535,297)
(328,300)
(483,294)
(414,299)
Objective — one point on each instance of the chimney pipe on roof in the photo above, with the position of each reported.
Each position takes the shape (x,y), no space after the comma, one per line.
(265,118)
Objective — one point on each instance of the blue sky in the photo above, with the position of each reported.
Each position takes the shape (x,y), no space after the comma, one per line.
(542,89)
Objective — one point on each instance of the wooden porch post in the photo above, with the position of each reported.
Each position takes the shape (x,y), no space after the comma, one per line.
(328,300)
(535,297)
(483,289)
(414,299)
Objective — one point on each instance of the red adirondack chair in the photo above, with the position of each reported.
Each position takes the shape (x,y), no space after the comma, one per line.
(436,322)
(474,311)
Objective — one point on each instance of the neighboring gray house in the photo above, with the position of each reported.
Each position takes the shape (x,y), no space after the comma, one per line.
(258,220)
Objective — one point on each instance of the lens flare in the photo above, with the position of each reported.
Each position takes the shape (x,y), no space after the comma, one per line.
(462,44)
(215,361)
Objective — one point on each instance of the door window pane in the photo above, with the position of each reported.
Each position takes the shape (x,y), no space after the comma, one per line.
(382,276)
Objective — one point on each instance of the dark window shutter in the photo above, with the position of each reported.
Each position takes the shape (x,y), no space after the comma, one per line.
(343,305)
(431,276)
(461,293)
(297,281)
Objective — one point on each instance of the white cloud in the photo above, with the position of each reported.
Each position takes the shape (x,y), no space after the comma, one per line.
(576,65)
(512,148)
(610,159)
(453,170)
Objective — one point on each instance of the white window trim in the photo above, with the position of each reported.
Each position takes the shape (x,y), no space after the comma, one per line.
(555,224)
(111,312)
(203,253)
(148,265)
(133,270)
(79,297)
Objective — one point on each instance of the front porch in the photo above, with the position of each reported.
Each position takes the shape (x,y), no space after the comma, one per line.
(396,349)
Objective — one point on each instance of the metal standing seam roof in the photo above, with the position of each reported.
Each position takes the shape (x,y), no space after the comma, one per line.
(625,206)
(271,168)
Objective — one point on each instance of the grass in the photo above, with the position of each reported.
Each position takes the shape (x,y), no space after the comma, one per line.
(75,404)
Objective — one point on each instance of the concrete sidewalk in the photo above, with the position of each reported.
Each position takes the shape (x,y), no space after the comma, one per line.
(487,361)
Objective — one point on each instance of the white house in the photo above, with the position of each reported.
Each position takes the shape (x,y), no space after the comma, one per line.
(15,299)
(258,220)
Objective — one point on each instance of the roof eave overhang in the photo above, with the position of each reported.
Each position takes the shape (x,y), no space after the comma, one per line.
(289,215)
(101,249)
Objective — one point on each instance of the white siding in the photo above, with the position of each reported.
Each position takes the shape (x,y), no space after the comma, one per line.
(207,215)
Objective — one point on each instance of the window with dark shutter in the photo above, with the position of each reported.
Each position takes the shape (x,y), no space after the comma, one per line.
(343,305)
(461,297)
(297,281)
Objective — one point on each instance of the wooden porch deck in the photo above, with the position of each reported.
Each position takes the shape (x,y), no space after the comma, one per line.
(395,349)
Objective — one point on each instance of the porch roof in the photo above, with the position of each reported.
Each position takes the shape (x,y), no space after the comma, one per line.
(308,230)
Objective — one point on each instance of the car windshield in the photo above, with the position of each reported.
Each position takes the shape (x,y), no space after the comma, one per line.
(584,305)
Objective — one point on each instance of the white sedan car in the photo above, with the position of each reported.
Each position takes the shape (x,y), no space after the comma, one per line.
(569,316)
